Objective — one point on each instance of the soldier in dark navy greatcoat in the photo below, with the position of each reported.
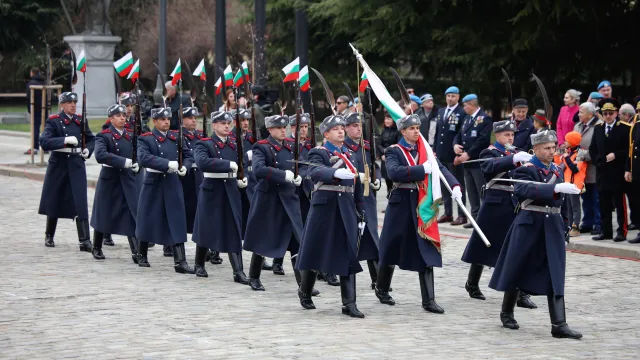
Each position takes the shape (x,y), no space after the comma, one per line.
(64,192)
(115,204)
(336,221)
(218,224)
(161,218)
(533,256)
(192,181)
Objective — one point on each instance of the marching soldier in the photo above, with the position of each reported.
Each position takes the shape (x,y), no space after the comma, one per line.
(218,224)
(192,181)
(64,192)
(533,256)
(497,209)
(401,242)
(161,218)
(370,240)
(632,171)
(115,204)
(335,223)
(276,195)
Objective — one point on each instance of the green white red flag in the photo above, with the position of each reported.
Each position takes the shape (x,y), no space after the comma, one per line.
(363,82)
(201,72)
(228,76)
(81,62)
(245,71)
(123,65)
(304,79)
(292,70)
(238,79)
(218,86)
(134,74)
(176,74)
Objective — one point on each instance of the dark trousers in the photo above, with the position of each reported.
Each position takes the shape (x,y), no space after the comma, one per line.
(590,207)
(633,202)
(37,121)
(458,172)
(473,181)
(608,199)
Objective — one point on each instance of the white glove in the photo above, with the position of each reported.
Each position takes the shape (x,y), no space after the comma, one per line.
(71,140)
(182,171)
(522,157)
(85,153)
(243,183)
(566,188)
(456,193)
(249,154)
(376,185)
(173,166)
(135,168)
(361,226)
(427,167)
(344,174)
(297,181)
(288,176)
(128,163)
(233,166)
(361,175)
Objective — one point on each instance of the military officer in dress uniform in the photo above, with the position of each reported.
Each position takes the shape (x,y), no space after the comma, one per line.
(400,242)
(275,221)
(192,181)
(218,224)
(336,221)
(524,125)
(115,204)
(474,136)
(370,239)
(161,218)
(64,192)
(533,256)
(632,169)
(449,122)
(497,210)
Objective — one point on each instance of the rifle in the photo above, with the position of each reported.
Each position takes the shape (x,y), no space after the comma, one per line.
(367,180)
(296,139)
(137,127)
(194,93)
(180,134)
(312,115)
(239,138)
(372,139)
(508,83)
(164,81)
(249,95)
(83,121)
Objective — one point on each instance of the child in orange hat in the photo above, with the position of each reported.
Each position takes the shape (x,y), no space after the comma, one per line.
(575,172)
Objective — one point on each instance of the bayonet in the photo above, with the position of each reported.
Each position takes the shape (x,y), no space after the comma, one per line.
(328,93)
(402,89)
(547,105)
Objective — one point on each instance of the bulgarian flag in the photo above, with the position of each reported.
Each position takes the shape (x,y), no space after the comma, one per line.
(82,62)
(228,76)
(363,82)
(245,71)
(134,74)
(124,65)
(218,86)
(200,71)
(304,79)
(429,194)
(238,79)
(176,74)
(292,70)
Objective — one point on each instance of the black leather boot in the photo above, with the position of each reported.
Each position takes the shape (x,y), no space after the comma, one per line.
(180,260)
(108,240)
(266,265)
(373,272)
(524,301)
(277,266)
(331,279)
(307,280)
(348,292)
(201,257)
(475,271)
(506,314)
(235,259)
(559,327)
(427,288)
(133,245)
(143,246)
(50,231)
(97,245)
(255,268)
(84,236)
(214,257)
(385,274)
(298,275)
(167,250)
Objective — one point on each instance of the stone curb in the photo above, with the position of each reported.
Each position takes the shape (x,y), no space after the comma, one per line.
(32,175)
(604,249)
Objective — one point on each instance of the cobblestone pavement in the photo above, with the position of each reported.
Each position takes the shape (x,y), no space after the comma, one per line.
(60,303)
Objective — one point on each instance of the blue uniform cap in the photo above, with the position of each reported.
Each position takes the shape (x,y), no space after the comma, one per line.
(220,116)
(604,83)
(408,120)
(415,99)
(190,112)
(596,95)
(469,98)
(276,121)
(127,98)
(161,113)
(353,118)
(452,90)
(304,119)
(66,97)
(116,109)
(330,122)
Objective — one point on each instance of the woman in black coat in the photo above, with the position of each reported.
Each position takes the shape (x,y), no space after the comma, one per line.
(390,136)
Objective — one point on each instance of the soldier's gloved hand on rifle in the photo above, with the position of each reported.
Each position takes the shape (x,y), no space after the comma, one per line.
(288,176)
(344,174)
(85,153)
(427,167)
(521,157)
(135,168)
(182,171)
(173,167)
(361,226)
(128,163)
(362,176)
(243,183)
(297,181)
(376,185)
(456,193)
(233,166)
(71,140)
(566,188)
(249,154)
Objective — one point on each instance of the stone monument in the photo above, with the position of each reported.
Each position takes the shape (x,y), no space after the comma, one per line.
(99,45)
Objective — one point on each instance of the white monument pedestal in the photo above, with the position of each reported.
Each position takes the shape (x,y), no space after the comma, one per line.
(101,88)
